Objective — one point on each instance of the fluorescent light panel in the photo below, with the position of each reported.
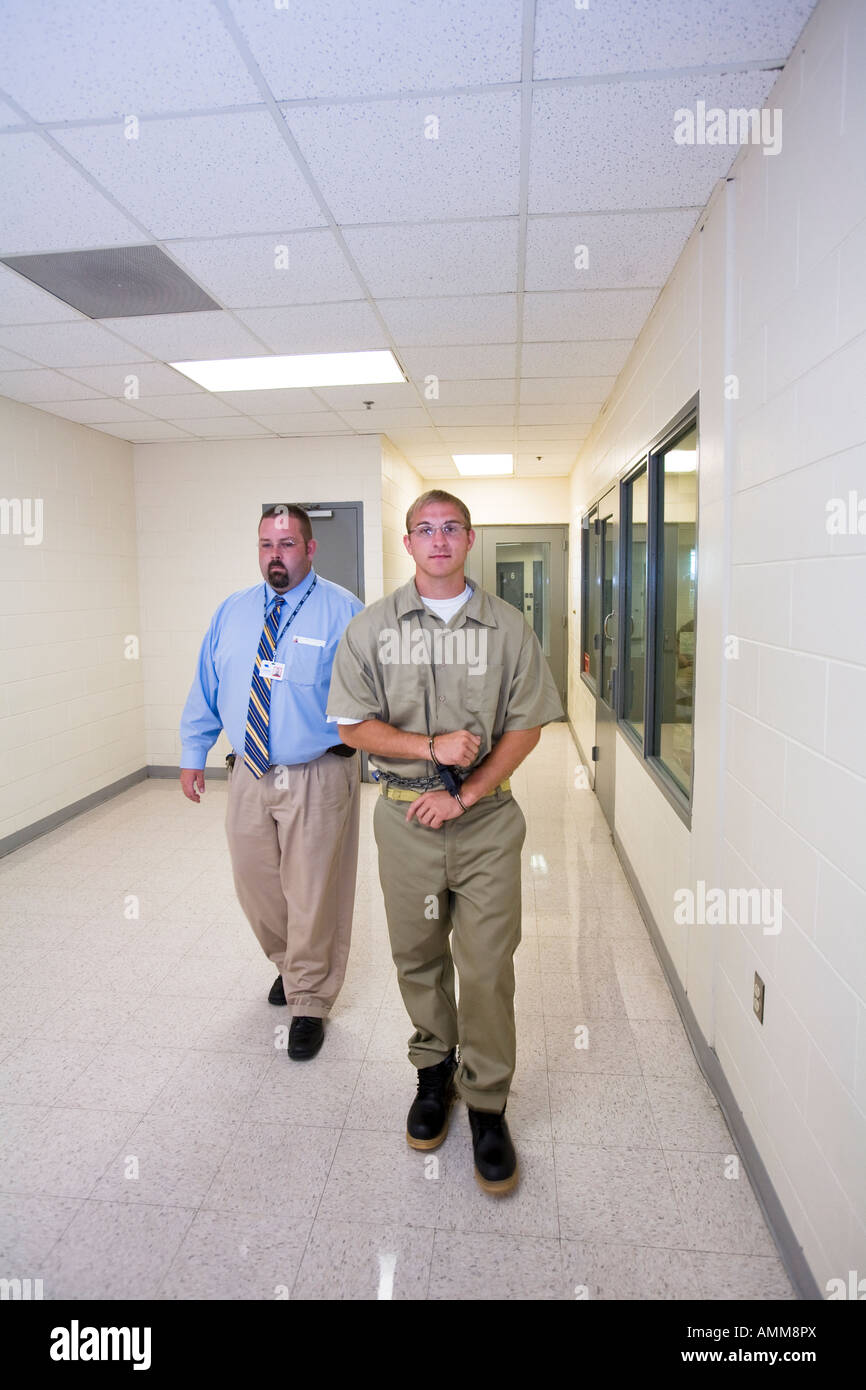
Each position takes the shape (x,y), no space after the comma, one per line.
(483,465)
(309,369)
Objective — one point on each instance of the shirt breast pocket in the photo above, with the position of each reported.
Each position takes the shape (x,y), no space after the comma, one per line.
(481,692)
(307,664)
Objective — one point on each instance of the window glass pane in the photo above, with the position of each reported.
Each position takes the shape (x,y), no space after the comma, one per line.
(592,639)
(637,503)
(523,580)
(678,577)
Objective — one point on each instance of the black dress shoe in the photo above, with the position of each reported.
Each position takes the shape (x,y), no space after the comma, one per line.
(306,1036)
(427,1121)
(277,994)
(495,1159)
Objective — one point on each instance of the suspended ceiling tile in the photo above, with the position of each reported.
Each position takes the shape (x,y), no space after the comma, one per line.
(14,362)
(232,427)
(463,320)
(466,439)
(326,422)
(475,362)
(370,421)
(37,182)
(65,60)
(622,249)
(144,431)
(610,146)
(23,302)
(188,337)
(420,442)
(455,416)
(569,413)
(303,328)
(200,405)
(35,386)
(91,412)
(338,49)
(384,395)
(8,116)
(148,377)
(492,392)
(563,435)
(261,271)
(369,156)
(591,390)
(596,314)
(440,258)
(548,466)
(294,400)
(67,344)
(576,359)
(632,36)
(199,176)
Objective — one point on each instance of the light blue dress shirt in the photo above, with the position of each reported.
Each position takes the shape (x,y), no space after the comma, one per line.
(220,693)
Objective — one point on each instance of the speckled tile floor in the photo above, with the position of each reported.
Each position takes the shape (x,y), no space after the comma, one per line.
(156,1144)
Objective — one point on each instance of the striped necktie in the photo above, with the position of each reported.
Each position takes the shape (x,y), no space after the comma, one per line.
(256,753)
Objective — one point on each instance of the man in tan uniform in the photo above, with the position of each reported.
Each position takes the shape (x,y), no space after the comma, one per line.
(446,687)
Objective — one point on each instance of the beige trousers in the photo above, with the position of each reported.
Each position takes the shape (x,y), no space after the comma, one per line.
(293,840)
(452,898)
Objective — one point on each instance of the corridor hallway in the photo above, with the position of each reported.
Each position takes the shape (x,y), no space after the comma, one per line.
(157,1143)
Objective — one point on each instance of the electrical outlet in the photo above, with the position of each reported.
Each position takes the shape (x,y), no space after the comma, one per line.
(758,998)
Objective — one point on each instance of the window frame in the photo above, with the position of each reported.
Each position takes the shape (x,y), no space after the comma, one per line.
(650,458)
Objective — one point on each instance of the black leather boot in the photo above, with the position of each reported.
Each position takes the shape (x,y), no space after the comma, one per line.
(427,1121)
(495,1159)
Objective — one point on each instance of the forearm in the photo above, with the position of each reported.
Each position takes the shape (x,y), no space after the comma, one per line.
(501,761)
(375,736)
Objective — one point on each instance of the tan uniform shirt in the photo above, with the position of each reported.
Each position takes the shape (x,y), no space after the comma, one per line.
(484,671)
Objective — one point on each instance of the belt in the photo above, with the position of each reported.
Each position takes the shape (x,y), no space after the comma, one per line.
(402,794)
(342,750)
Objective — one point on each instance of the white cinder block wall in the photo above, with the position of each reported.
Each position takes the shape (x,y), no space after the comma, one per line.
(780,769)
(401,484)
(71,719)
(198,507)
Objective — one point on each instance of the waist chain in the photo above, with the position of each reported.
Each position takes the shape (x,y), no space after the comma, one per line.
(416,784)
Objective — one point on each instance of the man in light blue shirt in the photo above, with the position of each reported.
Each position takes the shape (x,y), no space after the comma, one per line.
(263,675)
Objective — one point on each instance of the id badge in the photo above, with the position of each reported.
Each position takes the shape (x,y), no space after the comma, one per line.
(272,670)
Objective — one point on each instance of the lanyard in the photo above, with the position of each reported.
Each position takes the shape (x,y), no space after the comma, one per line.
(283,630)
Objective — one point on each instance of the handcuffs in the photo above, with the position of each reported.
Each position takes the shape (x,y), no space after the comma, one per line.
(448,774)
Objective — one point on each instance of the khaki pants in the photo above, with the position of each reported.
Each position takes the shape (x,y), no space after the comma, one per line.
(464,881)
(294,851)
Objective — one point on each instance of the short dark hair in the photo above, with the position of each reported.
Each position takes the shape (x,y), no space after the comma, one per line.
(290,509)
(437,495)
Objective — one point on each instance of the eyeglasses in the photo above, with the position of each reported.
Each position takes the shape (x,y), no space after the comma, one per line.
(450,530)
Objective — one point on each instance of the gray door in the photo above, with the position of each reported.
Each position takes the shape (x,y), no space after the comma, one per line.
(604,640)
(526,565)
(338,529)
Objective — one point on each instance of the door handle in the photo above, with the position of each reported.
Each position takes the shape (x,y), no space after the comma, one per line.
(605,623)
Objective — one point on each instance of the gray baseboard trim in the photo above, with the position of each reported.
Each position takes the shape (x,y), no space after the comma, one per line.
(211,774)
(789,1248)
(77,808)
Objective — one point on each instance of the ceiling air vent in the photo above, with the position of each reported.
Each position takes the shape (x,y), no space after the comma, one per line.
(121,282)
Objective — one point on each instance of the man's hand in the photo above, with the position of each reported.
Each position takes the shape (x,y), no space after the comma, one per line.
(459,749)
(192,782)
(434,808)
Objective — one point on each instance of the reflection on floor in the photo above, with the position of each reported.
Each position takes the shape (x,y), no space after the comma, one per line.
(156,1144)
